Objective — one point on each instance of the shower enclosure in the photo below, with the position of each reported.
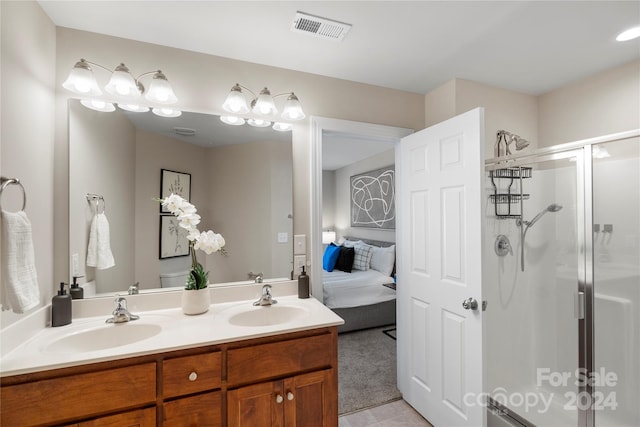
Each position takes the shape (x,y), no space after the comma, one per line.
(562,282)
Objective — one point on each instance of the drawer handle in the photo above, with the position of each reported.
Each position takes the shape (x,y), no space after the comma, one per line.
(279,398)
(193,376)
(289,396)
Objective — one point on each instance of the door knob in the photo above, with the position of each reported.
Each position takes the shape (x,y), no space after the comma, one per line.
(470,304)
(279,398)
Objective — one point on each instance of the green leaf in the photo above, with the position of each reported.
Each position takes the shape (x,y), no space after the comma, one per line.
(198,278)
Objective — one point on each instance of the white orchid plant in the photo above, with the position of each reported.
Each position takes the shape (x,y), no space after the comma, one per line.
(206,241)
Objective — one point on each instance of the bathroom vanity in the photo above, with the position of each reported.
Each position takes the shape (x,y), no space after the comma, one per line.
(233,373)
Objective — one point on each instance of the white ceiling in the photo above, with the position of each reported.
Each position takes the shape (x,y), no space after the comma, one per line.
(526,46)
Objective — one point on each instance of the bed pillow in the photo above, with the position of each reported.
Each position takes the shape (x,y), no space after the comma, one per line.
(383,259)
(330,257)
(350,243)
(362,257)
(345,259)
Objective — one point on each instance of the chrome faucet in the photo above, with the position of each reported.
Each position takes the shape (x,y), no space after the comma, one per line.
(266,298)
(121,314)
(134,289)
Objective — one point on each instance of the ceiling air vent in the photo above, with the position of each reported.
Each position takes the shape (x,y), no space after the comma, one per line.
(184,131)
(319,27)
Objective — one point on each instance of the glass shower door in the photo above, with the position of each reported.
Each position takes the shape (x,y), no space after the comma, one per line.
(616,260)
(532,271)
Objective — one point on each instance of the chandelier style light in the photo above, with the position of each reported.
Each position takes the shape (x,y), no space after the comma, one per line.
(261,105)
(123,88)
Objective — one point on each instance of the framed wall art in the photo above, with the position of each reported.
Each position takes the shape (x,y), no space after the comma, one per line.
(373,199)
(173,238)
(174,182)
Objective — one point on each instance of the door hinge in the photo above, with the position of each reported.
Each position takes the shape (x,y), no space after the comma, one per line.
(578,305)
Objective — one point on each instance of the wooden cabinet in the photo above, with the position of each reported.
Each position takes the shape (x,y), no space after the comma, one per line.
(301,401)
(282,381)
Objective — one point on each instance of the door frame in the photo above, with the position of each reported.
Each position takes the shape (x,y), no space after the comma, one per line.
(317,126)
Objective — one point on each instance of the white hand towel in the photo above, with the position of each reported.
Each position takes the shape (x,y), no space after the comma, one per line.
(99,250)
(20,291)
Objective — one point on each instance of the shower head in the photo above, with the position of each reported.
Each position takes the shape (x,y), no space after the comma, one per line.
(553,207)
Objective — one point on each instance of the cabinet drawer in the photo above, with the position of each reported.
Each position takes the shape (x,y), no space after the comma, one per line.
(201,410)
(48,401)
(140,418)
(191,374)
(265,361)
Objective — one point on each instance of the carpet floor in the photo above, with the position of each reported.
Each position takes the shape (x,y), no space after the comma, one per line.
(366,370)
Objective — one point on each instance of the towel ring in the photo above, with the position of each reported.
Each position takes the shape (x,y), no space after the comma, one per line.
(5,182)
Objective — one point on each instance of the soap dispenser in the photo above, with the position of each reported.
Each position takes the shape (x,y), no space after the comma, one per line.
(61,307)
(76,291)
(303,285)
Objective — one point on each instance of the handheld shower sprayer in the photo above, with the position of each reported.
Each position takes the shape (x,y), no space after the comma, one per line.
(526,225)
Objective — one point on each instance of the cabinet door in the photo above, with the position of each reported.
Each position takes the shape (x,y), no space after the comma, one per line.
(311,400)
(204,410)
(139,418)
(259,405)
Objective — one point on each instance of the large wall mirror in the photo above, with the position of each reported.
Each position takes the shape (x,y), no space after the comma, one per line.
(240,182)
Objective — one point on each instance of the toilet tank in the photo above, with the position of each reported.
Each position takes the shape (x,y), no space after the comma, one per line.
(170,280)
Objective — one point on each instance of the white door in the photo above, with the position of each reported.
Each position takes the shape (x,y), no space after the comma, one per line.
(439,267)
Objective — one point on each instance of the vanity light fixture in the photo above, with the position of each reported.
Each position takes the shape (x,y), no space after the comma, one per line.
(166,112)
(232,120)
(259,123)
(262,104)
(122,86)
(282,127)
(630,34)
(98,105)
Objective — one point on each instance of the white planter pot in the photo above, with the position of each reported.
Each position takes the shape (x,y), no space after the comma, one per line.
(196,301)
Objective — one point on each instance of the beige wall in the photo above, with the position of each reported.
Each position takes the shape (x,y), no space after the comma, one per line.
(503,109)
(28,54)
(606,103)
(102,161)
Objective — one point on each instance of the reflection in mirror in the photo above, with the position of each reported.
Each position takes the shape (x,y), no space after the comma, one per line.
(240,180)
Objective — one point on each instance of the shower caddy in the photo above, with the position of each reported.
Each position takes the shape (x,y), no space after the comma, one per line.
(508,204)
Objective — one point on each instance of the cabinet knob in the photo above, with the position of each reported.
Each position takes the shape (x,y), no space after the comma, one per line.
(289,396)
(279,398)
(193,376)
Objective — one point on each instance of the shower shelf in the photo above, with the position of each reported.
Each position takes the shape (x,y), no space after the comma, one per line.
(506,203)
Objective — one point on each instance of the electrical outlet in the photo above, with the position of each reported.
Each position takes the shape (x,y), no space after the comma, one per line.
(299,261)
(283,237)
(75,265)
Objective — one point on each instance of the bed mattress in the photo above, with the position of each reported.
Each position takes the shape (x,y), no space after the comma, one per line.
(344,290)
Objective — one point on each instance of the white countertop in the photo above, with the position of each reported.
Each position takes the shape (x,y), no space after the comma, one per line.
(176,331)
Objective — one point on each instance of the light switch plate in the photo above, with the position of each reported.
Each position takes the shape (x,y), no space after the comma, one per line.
(299,244)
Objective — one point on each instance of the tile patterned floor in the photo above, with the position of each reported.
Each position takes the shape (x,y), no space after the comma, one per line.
(394,414)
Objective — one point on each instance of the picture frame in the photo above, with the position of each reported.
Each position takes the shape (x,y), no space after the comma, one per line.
(173,238)
(372,201)
(174,182)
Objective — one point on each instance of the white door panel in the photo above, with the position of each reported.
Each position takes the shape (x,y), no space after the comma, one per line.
(439,266)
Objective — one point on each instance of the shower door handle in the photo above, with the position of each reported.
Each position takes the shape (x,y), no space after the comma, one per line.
(470,304)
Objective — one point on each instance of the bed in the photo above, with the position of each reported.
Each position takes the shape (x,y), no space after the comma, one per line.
(360,297)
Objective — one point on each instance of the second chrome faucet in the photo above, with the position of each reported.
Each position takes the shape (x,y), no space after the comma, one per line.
(266,298)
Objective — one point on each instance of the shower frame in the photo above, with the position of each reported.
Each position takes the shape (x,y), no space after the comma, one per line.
(584,300)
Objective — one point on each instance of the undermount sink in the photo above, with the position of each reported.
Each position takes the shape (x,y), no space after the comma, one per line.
(267,315)
(103,337)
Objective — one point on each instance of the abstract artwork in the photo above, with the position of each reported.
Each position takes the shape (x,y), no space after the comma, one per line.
(174,182)
(373,199)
